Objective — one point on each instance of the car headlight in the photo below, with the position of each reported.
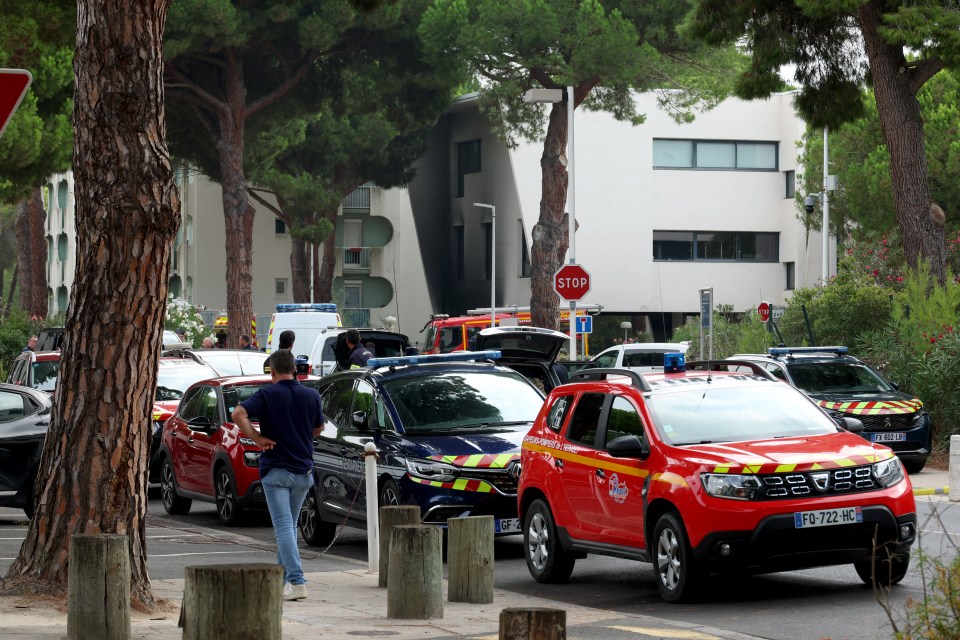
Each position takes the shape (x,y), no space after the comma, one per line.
(920,418)
(732,486)
(430,470)
(888,472)
(251,458)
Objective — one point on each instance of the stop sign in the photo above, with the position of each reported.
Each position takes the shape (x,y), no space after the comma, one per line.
(571,282)
(763,310)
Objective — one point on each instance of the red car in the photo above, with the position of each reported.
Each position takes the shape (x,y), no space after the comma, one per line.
(703,472)
(204,456)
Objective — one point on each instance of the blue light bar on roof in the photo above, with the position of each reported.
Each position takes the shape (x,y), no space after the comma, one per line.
(782,351)
(674,362)
(458,356)
(307,306)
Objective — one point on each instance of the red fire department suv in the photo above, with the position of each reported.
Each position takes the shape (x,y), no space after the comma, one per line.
(701,472)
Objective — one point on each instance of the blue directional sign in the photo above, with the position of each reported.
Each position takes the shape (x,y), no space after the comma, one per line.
(584,324)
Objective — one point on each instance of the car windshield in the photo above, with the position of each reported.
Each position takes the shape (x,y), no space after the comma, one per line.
(451,401)
(237,393)
(45,375)
(701,414)
(840,377)
(173,380)
(236,363)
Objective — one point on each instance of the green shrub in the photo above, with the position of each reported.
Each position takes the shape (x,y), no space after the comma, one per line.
(14,333)
(732,333)
(935,616)
(837,313)
(183,315)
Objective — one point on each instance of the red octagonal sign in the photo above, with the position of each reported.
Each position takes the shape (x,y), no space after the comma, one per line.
(571,282)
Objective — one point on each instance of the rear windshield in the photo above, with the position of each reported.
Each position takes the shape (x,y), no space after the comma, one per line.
(45,375)
(173,380)
(448,401)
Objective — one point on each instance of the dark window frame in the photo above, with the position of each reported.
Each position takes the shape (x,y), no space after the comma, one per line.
(469,160)
(739,239)
(736,143)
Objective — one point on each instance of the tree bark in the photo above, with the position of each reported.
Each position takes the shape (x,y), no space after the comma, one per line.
(300,270)
(232,602)
(323,289)
(902,126)
(550,233)
(38,255)
(24,262)
(93,472)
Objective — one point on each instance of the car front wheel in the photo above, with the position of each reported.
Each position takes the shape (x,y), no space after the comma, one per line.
(547,560)
(228,509)
(315,531)
(678,577)
(883,570)
(172,503)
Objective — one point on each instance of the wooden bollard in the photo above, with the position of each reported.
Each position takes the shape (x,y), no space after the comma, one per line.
(470,559)
(232,602)
(98,587)
(391,517)
(533,623)
(415,577)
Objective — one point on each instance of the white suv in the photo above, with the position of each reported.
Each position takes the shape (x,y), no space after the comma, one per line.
(642,357)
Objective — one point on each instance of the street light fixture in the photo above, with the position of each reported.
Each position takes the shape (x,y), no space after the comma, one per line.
(493,261)
(626,326)
(559,95)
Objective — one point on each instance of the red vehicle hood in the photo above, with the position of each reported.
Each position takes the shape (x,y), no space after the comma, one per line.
(784,455)
(163,410)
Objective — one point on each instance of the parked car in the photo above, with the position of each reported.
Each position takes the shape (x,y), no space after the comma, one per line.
(530,351)
(231,362)
(639,356)
(702,472)
(24,418)
(847,386)
(36,370)
(330,352)
(447,428)
(306,320)
(203,454)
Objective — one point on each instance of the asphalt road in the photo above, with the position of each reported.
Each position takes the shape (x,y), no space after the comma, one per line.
(802,605)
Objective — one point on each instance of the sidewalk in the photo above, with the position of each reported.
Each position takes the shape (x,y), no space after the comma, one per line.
(931,482)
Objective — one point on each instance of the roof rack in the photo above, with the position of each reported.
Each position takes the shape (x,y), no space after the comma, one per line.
(457,356)
(787,351)
(586,375)
(724,365)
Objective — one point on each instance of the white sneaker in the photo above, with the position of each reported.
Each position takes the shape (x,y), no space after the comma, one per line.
(294,591)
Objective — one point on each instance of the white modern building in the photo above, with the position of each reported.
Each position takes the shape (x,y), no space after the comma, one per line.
(663,210)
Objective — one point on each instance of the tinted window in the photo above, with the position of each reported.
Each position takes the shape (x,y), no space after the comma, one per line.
(336,400)
(45,375)
(11,406)
(558,412)
(363,401)
(234,395)
(842,376)
(608,359)
(623,420)
(586,418)
(174,379)
(642,359)
(193,404)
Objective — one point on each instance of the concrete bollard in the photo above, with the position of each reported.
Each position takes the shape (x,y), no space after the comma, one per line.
(232,602)
(535,623)
(373,499)
(391,517)
(954,469)
(98,587)
(470,559)
(415,578)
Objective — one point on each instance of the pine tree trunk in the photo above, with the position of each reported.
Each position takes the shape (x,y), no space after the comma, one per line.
(38,255)
(902,126)
(300,270)
(550,232)
(93,473)
(24,262)
(328,263)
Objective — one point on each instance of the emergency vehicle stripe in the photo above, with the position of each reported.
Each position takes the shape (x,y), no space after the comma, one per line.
(753,467)
(460,484)
(874,407)
(623,469)
(480,461)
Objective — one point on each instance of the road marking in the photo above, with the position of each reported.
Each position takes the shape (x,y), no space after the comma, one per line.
(20,538)
(685,634)
(178,535)
(198,553)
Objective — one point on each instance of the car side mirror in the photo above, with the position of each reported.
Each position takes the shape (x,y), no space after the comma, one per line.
(853,425)
(200,423)
(359,419)
(895,385)
(629,447)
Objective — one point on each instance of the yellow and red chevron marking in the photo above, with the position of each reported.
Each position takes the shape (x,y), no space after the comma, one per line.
(880,407)
(460,484)
(773,467)
(480,460)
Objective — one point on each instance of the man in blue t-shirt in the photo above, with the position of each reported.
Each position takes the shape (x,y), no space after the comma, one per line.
(290,417)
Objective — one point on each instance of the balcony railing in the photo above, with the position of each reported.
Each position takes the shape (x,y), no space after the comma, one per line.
(356,258)
(355,317)
(359,198)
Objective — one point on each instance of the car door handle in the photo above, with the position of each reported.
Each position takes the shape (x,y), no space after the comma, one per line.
(558,463)
(600,473)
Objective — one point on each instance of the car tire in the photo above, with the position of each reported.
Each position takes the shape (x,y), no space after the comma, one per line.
(915,466)
(883,570)
(389,495)
(547,560)
(228,507)
(172,503)
(315,531)
(679,579)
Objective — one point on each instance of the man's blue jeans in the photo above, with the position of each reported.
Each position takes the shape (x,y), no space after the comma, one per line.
(285,493)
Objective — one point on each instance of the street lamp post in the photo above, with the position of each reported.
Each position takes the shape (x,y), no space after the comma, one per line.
(558,95)
(626,326)
(493,260)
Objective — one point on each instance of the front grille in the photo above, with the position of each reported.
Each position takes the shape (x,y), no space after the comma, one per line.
(819,483)
(505,480)
(888,422)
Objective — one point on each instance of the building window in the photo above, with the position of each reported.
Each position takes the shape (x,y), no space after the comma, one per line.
(352,295)
(488,246)
(791,179)
(279,227)
(733,246)
(725,155)
(280,287)
(524,254)
(468,161)
(189,225)
(461,262)
(791,275)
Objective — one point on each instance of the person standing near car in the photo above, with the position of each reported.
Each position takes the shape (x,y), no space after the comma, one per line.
(31,344)
(285,341)
(290,417)
(359,354)
(245,343)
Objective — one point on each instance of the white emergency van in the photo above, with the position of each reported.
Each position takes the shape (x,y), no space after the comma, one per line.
(305,320)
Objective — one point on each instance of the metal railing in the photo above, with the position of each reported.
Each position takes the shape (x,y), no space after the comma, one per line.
(355,258)
(355,317)
(359,198)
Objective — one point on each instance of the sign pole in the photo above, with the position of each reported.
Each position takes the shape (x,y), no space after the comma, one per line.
(572,228)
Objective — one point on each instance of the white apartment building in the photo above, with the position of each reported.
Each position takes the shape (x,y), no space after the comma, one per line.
(663,210)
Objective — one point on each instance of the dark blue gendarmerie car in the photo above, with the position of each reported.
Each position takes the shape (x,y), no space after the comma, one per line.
(447,429)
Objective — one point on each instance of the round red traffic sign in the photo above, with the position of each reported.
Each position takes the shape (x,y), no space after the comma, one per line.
(571,282)
(763,310)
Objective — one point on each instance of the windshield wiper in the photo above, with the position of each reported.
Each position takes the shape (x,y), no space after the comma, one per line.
(487,425)
(684,444)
